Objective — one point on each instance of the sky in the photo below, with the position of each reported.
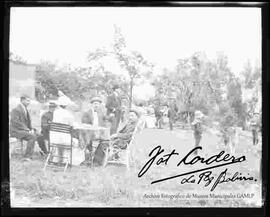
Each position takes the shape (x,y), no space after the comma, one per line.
(162,34)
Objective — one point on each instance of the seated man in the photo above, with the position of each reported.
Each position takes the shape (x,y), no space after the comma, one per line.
(95,117)
(21,127)
(121,139)
(124,135)
(46,119)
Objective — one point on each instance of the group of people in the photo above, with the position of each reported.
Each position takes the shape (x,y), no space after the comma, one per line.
(229,132)
(165,111)
(122,121)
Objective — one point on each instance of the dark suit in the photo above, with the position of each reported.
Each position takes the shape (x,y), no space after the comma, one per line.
(124,135)
(172,114)
(19,122)
(121,141)
(20,126)
(158,116)
(46,118)
(197,132)
(255,128)
(113,105)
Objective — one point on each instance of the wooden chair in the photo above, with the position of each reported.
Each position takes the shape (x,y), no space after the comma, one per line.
(125,155)
(59,129)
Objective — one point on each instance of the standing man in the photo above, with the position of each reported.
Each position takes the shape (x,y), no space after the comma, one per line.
(255,128)
(158,116)
(21,127)
(158,113)
(197,128)
(124,111)
(172,113)
(46,119)
(113,106)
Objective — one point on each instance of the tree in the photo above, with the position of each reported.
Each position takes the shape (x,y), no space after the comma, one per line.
(45,79)
(251,88)
(227,115)
(234,98)
(201,84)
(250,75)
(190,83)
(131,61)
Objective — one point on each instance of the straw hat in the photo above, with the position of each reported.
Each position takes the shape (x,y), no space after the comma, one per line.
(96,99)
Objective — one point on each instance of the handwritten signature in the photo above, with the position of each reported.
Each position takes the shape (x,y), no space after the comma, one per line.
(205,173)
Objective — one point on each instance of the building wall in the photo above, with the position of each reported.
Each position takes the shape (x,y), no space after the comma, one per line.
(21,79)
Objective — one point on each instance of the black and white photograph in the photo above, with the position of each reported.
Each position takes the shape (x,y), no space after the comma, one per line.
(135,107)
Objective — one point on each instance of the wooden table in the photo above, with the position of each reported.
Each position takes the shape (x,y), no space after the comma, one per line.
(89,137)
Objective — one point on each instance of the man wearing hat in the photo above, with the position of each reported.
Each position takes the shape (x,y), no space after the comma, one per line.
(197,128)
(95,115)
(113,106)
(121,139)
(46,119)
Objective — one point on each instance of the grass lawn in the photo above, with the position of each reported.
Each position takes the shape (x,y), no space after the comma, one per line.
(116,187)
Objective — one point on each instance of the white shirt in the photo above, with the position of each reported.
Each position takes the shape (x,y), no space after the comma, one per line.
(63,116)
(24,109)
(95,118)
